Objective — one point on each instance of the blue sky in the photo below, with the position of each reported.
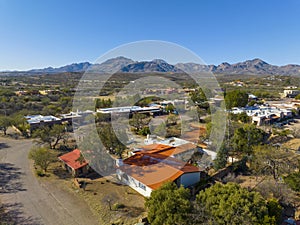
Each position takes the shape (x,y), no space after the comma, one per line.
(37,34)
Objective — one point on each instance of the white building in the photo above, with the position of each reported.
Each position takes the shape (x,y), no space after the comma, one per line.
(290,93)
(264,114)
(35,121)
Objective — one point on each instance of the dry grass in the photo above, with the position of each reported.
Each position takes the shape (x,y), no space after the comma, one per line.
(97,194)
(293,144)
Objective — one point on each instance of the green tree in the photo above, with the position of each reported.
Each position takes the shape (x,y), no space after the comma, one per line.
(102,117)
(144,131)
(169,205)
(293,181)
(21,124)
(198,96)
(65,103)
(231,204)
(245,138)
(243,117)
(139,121)
(268,160)
(221,158)
(236,98)
(51,109)
(112,138)
(170,108)
(172,120)
(102,103)
(209,126)
(50,135)
(41,157)
(274,209)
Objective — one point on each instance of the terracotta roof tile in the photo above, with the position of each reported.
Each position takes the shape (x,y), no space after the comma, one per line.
(179,149)
(155,148)
(70,159)
(154,169)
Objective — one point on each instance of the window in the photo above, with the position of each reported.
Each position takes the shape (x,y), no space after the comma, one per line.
(142,186)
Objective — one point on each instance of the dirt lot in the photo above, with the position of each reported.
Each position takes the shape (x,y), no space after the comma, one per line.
(35,201)
(99,192)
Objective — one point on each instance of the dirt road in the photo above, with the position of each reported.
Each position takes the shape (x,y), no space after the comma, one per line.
(31,201)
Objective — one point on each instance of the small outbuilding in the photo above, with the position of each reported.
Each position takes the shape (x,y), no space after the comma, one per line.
(73,164)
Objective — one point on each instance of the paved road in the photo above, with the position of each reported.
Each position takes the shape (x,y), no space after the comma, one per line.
(31,201)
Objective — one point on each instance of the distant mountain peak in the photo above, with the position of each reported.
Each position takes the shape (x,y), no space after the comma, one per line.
(159,61)
(122,64)
(156,65)
(254,66)
(74,67)
(256,61)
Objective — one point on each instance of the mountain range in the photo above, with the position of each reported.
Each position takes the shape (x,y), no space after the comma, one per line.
(125,65)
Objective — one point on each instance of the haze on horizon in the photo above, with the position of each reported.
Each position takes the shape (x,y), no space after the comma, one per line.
(37,34)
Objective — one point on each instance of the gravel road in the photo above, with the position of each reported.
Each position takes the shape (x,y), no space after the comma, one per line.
(30,200)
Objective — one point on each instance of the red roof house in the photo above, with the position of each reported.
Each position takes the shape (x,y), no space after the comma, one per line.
(73,165)
(147,170)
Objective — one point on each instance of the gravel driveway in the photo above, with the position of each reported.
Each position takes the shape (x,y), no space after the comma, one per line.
(31,201)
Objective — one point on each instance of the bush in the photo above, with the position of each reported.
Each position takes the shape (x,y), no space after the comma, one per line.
(42,157)
(293,181)
(117,206)
(144,131)
(40,173)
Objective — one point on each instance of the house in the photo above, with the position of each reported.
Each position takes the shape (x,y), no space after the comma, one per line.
(252,97)
(72,117)
(145,172)
(35,121)
(73,165)
(185,149)
(153,110)
(182,152)
(48,92)
(152,165)
(268,115)
(290,93)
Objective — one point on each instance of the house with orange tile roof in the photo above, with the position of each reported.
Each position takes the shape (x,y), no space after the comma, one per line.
(154,165)
(182,152)
(73,165)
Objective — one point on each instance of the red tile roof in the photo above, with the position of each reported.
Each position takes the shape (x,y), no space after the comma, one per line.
(167,150)
(155,148)
(70,159)
(154,169)
(179,149)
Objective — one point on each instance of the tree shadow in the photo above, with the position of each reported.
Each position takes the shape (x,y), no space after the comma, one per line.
(10,178)
(61,173)
(13,214)
(3,145)
(93,175)
(133,211)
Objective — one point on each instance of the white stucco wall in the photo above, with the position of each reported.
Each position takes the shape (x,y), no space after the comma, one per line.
(134,184)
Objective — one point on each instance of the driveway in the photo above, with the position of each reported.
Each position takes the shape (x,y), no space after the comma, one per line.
(30,201)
